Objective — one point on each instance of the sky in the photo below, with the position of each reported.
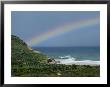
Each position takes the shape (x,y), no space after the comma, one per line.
(31,25)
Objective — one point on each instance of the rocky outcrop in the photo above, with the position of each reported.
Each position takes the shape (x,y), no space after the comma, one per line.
(52,61)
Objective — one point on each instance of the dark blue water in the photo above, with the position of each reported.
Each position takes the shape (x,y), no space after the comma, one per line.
(79,53)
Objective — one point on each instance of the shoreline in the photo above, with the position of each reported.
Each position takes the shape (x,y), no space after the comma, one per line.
(85,62)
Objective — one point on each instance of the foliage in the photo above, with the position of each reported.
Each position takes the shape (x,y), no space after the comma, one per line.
(27,63)
(47,70)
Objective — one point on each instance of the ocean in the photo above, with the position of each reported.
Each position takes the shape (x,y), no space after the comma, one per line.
(70,55)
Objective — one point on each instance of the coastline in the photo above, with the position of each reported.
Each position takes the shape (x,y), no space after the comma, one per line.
(85,62)
(73,61)
(33,63)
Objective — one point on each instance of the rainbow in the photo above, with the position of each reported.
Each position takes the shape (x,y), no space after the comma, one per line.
(62,29)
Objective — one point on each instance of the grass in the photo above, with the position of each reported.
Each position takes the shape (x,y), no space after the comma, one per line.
(27,63)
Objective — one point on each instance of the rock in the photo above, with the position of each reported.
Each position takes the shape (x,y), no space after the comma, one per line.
(51,61)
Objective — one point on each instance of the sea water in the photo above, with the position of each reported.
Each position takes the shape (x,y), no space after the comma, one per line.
(69,55)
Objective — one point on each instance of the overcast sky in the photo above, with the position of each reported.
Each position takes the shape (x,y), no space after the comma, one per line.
(29,24)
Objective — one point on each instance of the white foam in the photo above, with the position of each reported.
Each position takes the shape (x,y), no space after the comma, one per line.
(83,63)
(66,57)
(68,60)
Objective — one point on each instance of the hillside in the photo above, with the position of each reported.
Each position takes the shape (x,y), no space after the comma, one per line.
(21,55)
(29,63)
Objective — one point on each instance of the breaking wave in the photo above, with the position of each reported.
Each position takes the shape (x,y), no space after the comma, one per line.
(69,60)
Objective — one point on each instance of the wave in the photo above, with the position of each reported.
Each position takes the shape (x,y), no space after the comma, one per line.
(66,57)
(69,60)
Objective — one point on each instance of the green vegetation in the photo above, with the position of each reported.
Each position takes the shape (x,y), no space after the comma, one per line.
(26,62)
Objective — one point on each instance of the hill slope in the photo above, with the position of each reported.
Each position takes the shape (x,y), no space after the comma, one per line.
(26,62)
(21,54)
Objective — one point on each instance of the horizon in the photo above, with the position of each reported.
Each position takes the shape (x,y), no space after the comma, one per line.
(62,46)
